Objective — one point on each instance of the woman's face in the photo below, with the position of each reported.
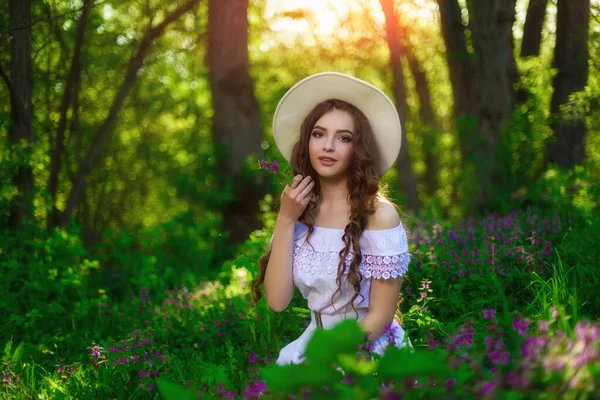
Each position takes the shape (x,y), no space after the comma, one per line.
(331,144)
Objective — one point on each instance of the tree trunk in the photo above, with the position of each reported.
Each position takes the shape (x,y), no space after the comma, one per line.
(428,116)
(532,31)
(408,182)
(109,122)
(506,19)
(72,85)
(460,63)
(236,123)
(571,57)
(494,95)
(21,129)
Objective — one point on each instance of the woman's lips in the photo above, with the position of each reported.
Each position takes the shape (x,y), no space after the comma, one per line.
(328,162)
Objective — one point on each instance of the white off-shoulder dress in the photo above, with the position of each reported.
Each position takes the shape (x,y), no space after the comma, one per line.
(384,256)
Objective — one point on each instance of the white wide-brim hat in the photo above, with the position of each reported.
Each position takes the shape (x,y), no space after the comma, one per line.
(295,105)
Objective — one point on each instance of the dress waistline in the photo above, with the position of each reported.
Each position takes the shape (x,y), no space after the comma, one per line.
(329,320)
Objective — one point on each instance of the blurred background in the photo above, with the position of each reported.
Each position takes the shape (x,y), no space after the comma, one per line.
(140,114)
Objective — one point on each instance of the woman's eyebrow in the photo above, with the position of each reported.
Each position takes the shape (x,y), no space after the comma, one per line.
(338,131)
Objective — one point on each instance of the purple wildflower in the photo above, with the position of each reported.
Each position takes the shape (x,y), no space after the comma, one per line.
(521,325)
(61,368)
(488,387)
(544,326)
(489,314)
(6,379)
(254,390)
(96,352)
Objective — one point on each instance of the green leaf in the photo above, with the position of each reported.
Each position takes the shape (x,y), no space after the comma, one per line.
(399,364)
(288,378)
(300,312)
(369,384)
(347,392)
(325,345)
(173,391)
(361,367)
(17,354)
(7,349)
(513,395)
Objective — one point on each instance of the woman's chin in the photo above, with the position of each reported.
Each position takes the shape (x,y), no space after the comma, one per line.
(329,174)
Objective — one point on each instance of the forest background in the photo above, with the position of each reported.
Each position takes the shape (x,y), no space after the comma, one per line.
(131,134)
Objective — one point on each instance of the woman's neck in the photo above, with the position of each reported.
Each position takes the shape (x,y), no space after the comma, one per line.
(334,193)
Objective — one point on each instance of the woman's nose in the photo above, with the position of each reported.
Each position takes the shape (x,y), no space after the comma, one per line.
(328,146)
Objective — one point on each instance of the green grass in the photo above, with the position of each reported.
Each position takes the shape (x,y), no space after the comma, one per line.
(88,330)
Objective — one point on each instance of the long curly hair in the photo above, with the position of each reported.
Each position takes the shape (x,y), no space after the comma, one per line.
(364,193)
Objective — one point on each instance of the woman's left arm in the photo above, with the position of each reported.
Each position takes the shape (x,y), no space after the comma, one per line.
(383,299)
(382,306)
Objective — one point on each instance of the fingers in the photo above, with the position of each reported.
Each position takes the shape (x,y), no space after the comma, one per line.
(295,181)
(305,194)
(302,185)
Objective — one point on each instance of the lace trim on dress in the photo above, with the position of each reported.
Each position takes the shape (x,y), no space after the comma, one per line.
(385,267)
(372,266)
(317,262)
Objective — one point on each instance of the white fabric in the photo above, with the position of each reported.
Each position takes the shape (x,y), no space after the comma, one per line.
(314,268)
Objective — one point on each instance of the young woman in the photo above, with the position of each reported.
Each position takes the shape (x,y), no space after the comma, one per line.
(336,237)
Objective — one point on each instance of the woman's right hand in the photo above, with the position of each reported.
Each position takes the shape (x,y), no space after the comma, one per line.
(295,197)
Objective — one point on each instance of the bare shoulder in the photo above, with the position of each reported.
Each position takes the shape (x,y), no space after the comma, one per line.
(385,217)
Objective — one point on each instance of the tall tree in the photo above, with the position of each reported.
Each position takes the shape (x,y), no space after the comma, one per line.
(404,165)
(20,87)
(483,82)
(571,56)
(236,122)
(69,100)
(494,79)
(426,112)
(460,60)
(109,122)
(532,31)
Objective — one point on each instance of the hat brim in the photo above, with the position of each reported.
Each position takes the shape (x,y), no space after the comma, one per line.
(306,94)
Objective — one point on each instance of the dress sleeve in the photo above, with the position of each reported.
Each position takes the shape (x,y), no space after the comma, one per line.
(299,231)
(384,253)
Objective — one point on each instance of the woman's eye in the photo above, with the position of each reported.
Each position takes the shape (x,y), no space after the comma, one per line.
(317,134)
(346,139)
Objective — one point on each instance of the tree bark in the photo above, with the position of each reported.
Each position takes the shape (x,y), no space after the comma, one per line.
(428,117)
(236,123)
(406,175)
(460,63)
(20,88)
(107,126)
(571,56)
(532,31)
(72,85)
(491,28)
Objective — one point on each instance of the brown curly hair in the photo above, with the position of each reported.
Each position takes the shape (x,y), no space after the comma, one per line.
(364,192)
